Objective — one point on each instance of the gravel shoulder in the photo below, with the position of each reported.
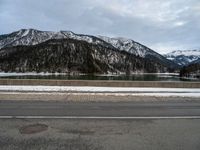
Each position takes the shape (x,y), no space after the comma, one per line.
(87,97)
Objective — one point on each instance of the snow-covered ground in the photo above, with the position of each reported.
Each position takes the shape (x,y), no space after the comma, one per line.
(180,92)
(3,74)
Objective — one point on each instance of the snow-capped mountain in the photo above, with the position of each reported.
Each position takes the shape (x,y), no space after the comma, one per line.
(69,55)
(33,37)
(29,39)
(184,57)
(128,45)
(137,49)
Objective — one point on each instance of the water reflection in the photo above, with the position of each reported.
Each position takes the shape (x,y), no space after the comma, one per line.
(134,77)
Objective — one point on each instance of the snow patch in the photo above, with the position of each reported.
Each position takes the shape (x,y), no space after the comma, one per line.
(25,33)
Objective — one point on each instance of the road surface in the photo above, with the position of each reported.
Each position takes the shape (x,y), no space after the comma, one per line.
(99,125)
(100,109)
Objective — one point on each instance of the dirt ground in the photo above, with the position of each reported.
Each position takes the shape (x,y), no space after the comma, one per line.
(85,97)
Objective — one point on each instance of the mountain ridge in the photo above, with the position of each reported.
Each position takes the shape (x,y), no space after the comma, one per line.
(25,38)
(183,57)
(69,55)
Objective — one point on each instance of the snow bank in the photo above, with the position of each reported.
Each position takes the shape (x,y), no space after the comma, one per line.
(185,92)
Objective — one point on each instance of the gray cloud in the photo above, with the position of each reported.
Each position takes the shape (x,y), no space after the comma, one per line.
(161,25)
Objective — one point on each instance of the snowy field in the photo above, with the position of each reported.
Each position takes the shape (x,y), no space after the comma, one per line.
(180,92)
(3,74)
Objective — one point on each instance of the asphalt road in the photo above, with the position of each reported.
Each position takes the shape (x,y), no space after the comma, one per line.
(100,133)
(100,109)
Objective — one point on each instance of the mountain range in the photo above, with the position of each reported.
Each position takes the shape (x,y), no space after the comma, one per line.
(184,57)
(64,51)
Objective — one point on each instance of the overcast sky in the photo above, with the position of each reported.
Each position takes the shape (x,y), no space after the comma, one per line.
(163,25)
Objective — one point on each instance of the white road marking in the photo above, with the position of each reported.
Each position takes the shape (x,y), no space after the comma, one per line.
(98,117)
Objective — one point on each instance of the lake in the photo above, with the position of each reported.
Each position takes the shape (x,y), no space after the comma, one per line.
(133,77)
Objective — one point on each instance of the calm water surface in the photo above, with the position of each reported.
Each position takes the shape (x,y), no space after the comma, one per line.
(135,77)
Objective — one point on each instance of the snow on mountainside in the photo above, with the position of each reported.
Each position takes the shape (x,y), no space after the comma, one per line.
(28,37)
(69,55)
(196,61)
(185,53)
(137,49)
(128,45)
(184,57)
(34,37)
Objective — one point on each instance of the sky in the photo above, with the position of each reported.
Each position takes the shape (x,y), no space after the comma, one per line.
(162,25)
